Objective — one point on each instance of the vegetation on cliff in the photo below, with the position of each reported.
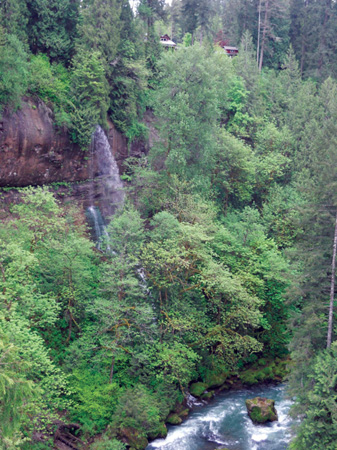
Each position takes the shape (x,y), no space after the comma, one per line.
(219,263)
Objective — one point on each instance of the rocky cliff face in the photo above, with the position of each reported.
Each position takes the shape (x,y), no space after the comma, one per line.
(33,152)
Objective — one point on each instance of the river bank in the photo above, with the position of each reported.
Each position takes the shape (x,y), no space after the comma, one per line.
(261,373)
(224,422)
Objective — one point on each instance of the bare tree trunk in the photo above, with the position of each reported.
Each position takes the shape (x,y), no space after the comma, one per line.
(265,26)
(201,35)
(332,287)
(303,48)
(112,369)
(258,34)
(322,40)
(302,55)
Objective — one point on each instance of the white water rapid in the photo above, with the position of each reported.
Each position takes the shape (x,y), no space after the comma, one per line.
(225,423)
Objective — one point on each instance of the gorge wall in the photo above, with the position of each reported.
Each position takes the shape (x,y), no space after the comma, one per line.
(34,152)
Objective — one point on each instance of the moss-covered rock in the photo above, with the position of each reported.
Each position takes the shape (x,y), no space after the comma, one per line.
(225,387)
(159,433)
(174,419)
(273,371)
(249,377)
(207,395)
(281,368)
(197,389)
(133,438)
(262,362)
(214,381)
(261,409)
(184,413)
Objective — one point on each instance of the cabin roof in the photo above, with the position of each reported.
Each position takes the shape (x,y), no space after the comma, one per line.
(166,41)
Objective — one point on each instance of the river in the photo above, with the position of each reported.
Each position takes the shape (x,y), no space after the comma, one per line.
(224,423)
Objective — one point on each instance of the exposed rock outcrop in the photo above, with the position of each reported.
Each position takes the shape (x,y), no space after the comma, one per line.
(34,152)
(261,410)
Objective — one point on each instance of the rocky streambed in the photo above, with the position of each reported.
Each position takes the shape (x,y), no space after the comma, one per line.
(224,423)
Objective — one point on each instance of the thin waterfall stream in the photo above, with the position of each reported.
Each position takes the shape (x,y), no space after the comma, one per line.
(224,423)
(106,191)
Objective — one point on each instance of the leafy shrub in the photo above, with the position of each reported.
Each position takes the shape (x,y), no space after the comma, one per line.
(138,409)
(49,82)
(107,443)
(96,400)
(13,70)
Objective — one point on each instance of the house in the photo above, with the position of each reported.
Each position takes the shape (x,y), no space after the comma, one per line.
(166,42)
(231,51)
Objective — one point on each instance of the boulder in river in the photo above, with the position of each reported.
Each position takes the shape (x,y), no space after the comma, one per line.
(174,419)
(261,409)
(132,438)
(197,389)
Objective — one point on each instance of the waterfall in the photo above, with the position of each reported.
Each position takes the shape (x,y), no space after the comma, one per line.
(107,169)
(97,225)
(106,188)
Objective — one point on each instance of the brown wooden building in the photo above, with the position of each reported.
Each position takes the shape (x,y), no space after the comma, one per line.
(166,42)
(231,51)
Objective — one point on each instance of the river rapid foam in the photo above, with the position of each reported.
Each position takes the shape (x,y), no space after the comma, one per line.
(225,423)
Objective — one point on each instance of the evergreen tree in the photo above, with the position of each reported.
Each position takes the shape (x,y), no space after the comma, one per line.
(188,106)
(52,27)
(89,95)
(14,18)
(13,70)
(196,13)
(101,28)
(313,27)
(318,402)
(310,324)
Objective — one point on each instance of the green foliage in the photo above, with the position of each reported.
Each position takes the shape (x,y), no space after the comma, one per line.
(128,91)
(187,105)
(174,419)
(173,364)
(45,280)
(139,410)
(14,16)
(89,96)
(318,403)
(52,28)
(51,83)
(234,174)
(275,371)
(16,390)
(100,29)
(197,389)
(193,281)
(187,39)
(91,392)
(13,70)
(108,443)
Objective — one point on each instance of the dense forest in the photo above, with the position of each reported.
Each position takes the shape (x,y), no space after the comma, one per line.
(219,266)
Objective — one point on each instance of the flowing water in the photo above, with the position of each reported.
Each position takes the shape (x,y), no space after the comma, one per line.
(107,169)
(97,224)
(225,423)
(106,191)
